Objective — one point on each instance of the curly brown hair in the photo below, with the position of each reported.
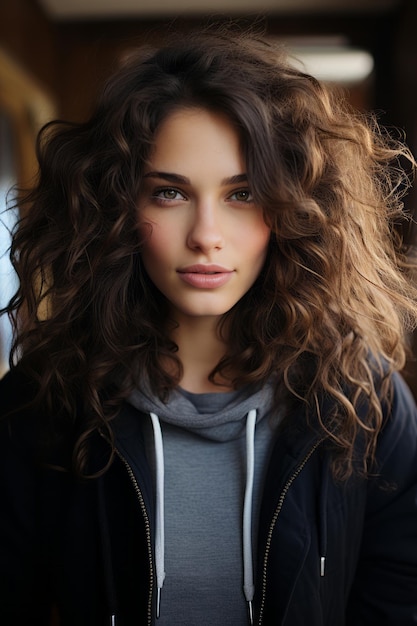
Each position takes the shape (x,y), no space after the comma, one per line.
(330,311)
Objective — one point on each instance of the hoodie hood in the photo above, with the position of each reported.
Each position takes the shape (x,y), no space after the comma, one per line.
(229,422)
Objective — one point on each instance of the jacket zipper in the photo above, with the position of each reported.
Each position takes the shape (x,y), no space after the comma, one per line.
(281,500)
(147,529)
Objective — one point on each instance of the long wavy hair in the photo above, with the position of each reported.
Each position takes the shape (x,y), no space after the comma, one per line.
(330,312)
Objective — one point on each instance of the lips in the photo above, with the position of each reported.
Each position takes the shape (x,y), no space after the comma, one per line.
(205,276)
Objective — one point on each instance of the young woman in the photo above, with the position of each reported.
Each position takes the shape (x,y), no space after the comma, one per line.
(204,421)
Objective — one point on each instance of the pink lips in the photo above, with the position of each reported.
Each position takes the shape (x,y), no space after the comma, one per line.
(205,276)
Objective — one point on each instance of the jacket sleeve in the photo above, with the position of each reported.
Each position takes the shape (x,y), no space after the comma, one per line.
(384,592)
(22,560)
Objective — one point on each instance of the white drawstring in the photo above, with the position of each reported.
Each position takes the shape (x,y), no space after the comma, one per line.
(160,515)
(248,583)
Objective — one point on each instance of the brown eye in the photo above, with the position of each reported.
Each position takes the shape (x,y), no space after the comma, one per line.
(243,195)
(169,194)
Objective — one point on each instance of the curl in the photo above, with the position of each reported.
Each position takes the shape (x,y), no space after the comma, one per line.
(329,313)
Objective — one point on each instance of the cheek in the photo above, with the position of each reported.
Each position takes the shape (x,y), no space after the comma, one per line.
(157,241)
(255,241)
(154,255)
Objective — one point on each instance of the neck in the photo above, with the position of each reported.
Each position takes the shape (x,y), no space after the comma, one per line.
(199,349)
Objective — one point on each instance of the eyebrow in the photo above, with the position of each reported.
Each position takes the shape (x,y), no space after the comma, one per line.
(183,180)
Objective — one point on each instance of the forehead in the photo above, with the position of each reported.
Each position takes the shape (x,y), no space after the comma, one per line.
(194,138)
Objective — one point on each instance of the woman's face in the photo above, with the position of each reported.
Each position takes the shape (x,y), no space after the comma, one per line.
(208,238)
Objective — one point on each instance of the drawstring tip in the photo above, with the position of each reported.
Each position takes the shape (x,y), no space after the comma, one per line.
(250,607)
(158,603)
(113,620)
(322,565)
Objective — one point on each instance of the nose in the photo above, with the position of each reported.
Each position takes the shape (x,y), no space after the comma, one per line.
(206,228)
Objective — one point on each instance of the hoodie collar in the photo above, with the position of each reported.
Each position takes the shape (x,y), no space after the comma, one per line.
(223,425)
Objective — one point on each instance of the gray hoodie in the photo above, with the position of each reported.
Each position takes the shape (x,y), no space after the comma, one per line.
(209,454)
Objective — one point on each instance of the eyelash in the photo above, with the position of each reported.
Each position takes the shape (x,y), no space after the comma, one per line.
(246,191)
(157,194)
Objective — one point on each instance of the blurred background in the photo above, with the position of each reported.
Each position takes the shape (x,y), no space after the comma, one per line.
(55,54)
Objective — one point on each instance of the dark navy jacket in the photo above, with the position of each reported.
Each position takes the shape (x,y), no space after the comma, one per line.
(329,554)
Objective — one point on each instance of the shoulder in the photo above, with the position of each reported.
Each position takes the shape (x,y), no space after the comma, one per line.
(27,430)
(388,556)
(398,436)
(394,479)
(16,392)
(19,421)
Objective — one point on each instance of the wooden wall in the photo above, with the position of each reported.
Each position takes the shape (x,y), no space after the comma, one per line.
(72,58)
(90,50)
(30,38)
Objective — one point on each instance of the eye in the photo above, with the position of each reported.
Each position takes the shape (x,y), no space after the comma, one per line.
(242,195)
(168,193)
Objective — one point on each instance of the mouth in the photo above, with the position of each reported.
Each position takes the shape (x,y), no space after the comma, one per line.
(205,276)
(205,269)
